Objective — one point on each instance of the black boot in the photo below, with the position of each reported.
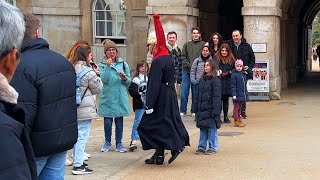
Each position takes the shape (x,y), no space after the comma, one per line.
(152,159)
(226,120)
(157,158)
(175,154)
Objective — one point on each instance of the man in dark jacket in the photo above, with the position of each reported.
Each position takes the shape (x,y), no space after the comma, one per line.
(242,50)
(191,50)
(45,81)
(17,158)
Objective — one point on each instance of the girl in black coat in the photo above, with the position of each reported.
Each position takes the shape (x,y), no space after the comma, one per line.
(208,108)
(226,61)
(138,90)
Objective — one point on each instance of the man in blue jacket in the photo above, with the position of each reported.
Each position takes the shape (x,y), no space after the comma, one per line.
(17,158)
(45,81)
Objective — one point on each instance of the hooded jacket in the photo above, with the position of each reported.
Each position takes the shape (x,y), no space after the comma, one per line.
(46,82)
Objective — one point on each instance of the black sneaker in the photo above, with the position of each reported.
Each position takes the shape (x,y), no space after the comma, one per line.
(243,115)
(226,120)
(81,170)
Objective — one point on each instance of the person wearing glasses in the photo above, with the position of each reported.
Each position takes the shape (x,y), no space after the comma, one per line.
(17,157)
(114,100)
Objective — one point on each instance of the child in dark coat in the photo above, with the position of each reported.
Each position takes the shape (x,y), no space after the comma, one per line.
(238,90)
(208,108)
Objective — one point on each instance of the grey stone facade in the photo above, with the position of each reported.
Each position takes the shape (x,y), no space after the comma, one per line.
(284,25)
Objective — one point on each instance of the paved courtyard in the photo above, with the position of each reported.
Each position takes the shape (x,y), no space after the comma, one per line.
(280,141)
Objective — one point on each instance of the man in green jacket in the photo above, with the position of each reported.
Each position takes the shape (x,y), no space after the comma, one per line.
(190,51)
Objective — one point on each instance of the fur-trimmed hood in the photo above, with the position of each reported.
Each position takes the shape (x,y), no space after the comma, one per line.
(7,92)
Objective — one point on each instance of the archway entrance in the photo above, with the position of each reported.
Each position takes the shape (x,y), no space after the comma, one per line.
(221,16)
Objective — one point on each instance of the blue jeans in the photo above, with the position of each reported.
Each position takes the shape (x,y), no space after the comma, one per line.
(84,127)
(51,167)
(185,88)
(108,129)
(137,118)
(208,136)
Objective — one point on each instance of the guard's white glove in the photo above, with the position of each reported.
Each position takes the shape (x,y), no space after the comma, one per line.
(149,111)
(234,97)
(245,68)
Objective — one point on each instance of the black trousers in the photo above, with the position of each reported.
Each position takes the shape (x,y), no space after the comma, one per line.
(225,104)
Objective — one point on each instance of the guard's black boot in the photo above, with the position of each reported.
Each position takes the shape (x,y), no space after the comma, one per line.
(157,158)
(152,159)
(226,120)
(160,156)
(175,154)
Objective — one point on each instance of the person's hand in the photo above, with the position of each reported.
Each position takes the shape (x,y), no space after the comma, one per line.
(234,97)
(122,76)
(245,68)
(108,61)
(149,111)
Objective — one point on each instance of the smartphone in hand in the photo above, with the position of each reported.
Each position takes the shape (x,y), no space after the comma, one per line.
(122,76)
(93,65)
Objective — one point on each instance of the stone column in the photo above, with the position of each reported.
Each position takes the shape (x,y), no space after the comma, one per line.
(262,25)
(175,17)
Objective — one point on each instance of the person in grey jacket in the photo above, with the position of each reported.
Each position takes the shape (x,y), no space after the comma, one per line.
(90,85)
(197,67)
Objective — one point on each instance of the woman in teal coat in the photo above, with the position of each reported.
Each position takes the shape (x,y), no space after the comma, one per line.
(114,102)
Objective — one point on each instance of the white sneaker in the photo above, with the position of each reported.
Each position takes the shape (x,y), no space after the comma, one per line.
(193,115)
(68,162)
(87,155)
(182,114)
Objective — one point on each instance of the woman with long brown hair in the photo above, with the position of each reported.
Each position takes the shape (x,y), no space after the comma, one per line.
(90,86)
(226,61)
(208,108)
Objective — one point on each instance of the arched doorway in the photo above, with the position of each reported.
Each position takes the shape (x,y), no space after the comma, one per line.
(296,34)
(221,16)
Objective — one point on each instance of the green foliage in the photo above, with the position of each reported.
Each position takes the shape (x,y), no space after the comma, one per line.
(316,31)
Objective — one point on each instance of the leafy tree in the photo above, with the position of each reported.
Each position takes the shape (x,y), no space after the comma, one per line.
(316,31)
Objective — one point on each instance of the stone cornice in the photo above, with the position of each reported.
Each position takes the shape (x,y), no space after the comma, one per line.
(56,11)
(168,10)
(261,11)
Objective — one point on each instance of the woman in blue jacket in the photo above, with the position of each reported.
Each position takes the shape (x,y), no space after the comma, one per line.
(113,102)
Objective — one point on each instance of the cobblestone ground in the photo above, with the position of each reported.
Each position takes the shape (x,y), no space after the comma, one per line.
(280,141)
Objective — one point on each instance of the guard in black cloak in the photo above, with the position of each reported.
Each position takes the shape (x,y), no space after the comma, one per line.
(161,127)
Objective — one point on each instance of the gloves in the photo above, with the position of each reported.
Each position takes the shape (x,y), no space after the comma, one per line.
(234,97)
(149,111)
(224,74)
(245,68)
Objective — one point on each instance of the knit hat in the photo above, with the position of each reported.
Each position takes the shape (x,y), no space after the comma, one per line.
(239,62)
(107,43)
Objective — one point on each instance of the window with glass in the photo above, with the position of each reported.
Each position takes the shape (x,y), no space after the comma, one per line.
(109,21)
(13,2)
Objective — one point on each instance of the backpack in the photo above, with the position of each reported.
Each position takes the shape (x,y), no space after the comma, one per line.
(79,95)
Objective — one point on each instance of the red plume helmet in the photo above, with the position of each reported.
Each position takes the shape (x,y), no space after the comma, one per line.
(161,40)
